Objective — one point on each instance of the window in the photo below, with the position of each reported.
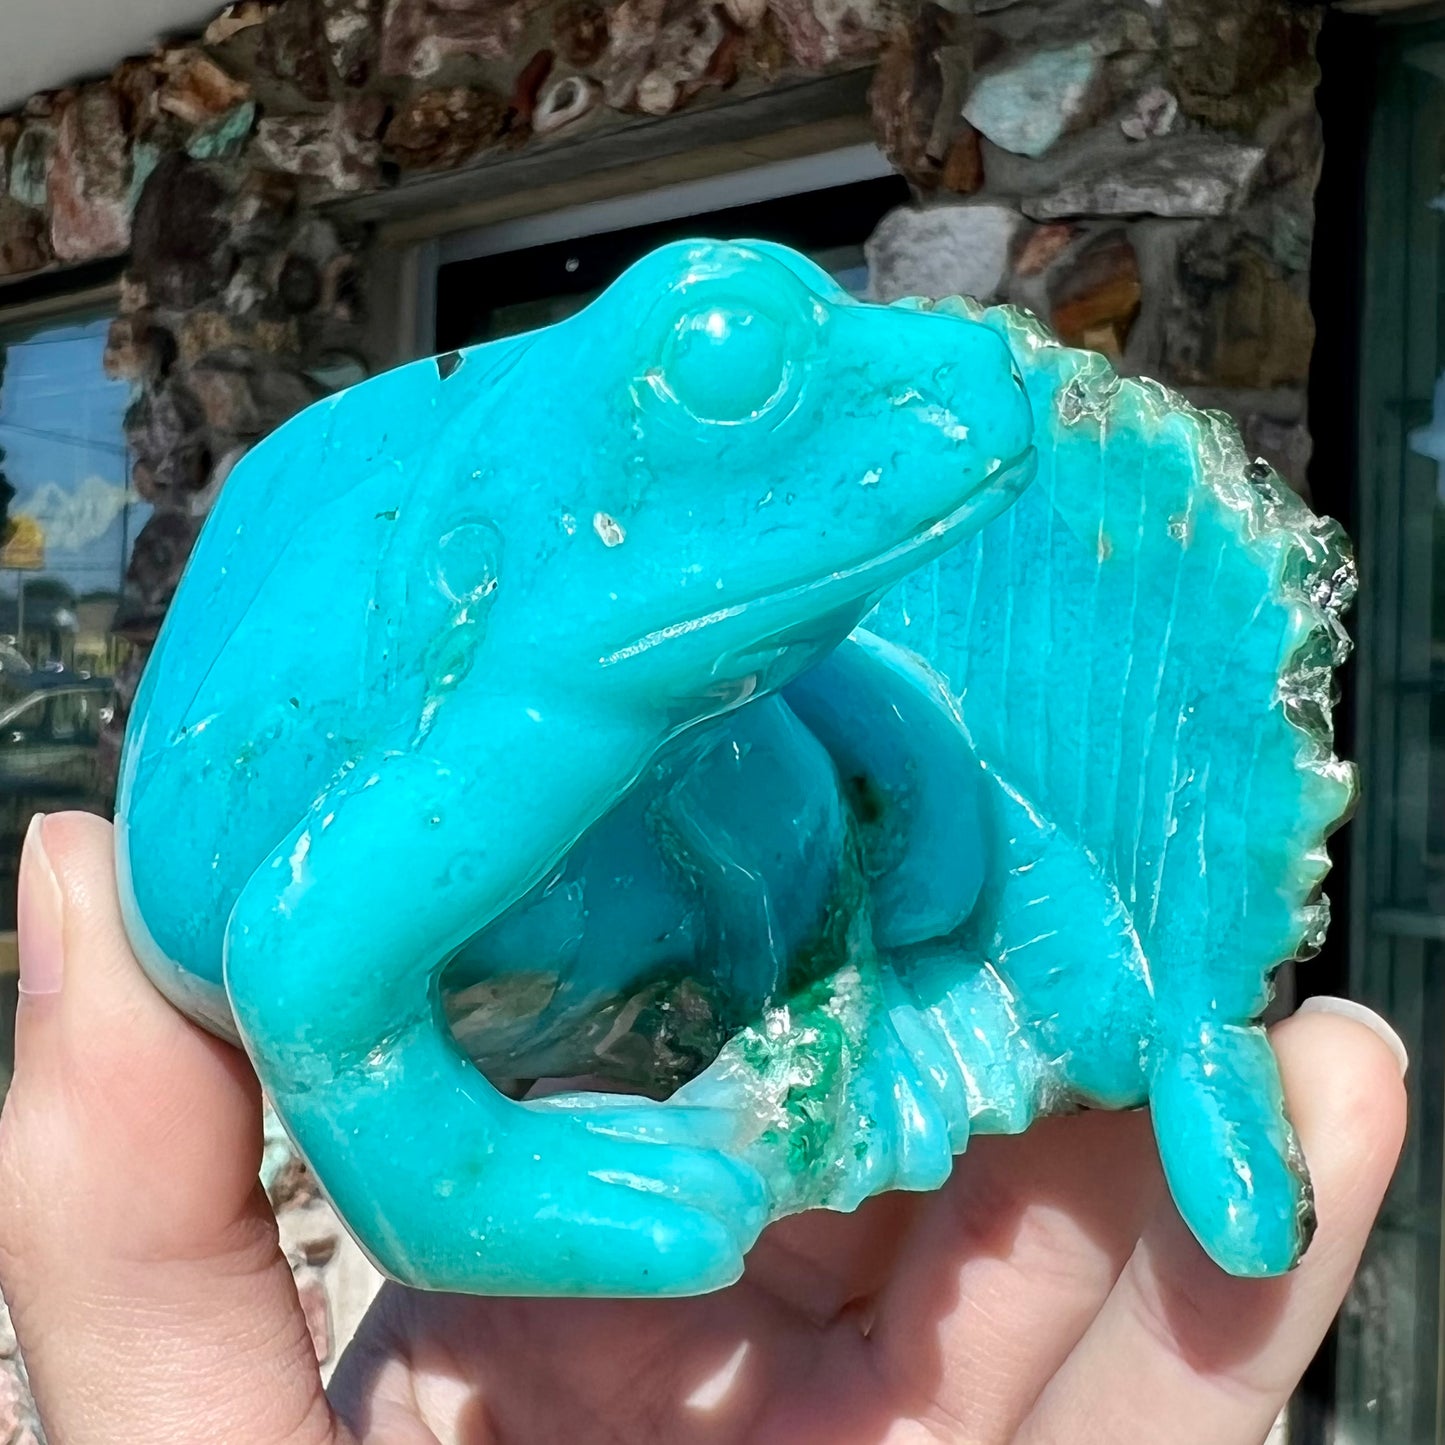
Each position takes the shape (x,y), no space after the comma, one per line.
(68,519)
(1389,1376)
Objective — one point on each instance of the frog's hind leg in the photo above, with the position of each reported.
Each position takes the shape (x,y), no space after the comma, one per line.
(250,768)
(875,1075)
(332,957)
(1229,1152)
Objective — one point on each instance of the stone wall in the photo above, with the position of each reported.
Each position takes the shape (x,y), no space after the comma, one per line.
(1140,172)
(1142,175)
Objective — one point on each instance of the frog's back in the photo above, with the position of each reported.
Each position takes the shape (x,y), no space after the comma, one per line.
(270,511)
(257,692)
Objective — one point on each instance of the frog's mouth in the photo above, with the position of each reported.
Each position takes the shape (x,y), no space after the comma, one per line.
(829,592)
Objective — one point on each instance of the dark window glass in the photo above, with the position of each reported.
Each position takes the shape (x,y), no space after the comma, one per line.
(1390,1383)
(518,291)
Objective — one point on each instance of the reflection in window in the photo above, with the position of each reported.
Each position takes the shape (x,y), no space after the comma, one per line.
(68,519)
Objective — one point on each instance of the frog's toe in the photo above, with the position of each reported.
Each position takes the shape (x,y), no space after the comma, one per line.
(683,1153)
(636,1117)
(659,1247)
(703,1181)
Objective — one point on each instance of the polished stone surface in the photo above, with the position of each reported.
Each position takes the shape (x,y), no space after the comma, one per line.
(854,727)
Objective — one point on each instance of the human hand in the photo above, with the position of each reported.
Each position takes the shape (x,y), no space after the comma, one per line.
(1048,1293)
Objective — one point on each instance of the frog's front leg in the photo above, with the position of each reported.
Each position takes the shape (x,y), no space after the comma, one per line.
(926,820)
(332,957)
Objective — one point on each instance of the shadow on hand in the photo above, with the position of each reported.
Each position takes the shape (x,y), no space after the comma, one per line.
(842,1328)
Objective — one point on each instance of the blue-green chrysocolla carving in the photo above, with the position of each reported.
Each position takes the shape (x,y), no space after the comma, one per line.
(869,726)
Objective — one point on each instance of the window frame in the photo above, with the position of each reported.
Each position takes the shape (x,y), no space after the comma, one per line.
(748,185)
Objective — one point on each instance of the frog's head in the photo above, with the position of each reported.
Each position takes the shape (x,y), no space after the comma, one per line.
(765,456)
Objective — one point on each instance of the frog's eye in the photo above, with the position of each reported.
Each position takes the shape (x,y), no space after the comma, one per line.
(726,361)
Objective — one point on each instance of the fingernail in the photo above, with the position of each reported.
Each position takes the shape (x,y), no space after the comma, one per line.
(40,917)
(1346,1008)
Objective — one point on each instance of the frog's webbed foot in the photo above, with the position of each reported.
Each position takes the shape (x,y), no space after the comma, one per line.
(1229,1153)
(331,969)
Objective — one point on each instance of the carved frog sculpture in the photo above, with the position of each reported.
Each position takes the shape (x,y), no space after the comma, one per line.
(513,720)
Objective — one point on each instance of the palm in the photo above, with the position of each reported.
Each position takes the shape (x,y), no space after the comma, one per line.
(919,1317)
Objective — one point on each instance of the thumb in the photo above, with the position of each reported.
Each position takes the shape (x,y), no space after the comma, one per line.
(137,1250)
